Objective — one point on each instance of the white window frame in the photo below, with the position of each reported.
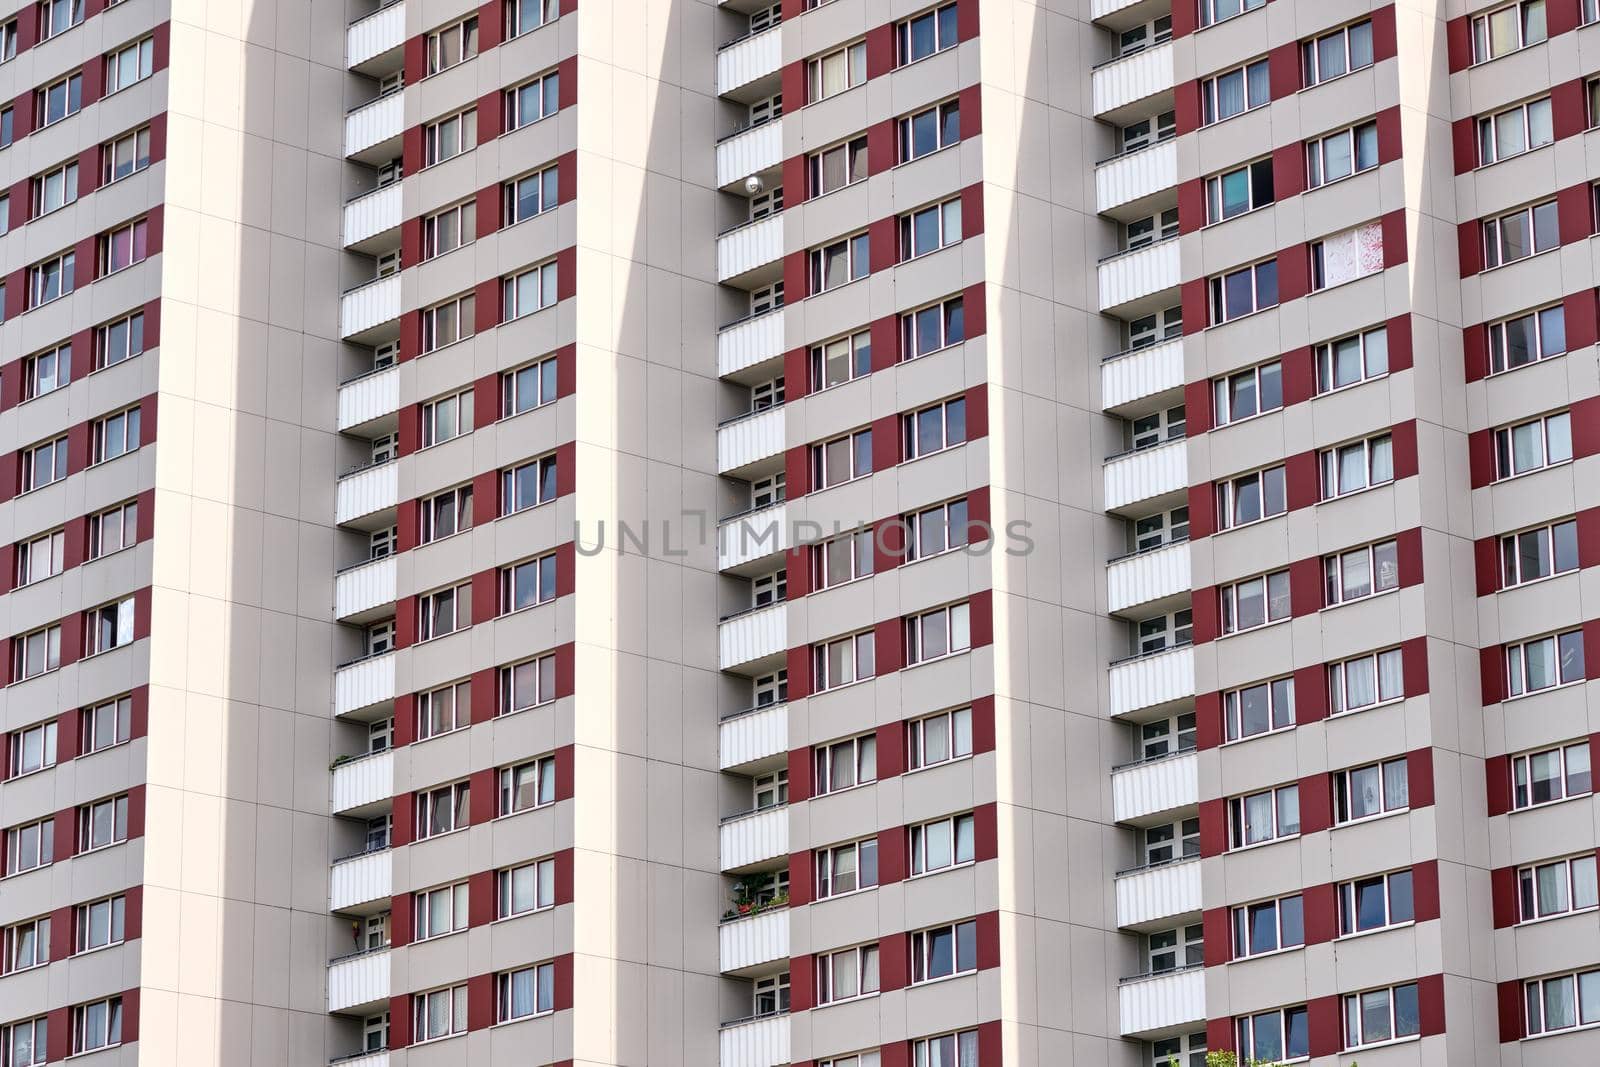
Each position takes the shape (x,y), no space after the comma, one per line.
(540,671)
(542,569)
(444,709)
(450,904)
(946,217)
(48,640)
(1350,896)
(66,180)
(1389,771)
(1538,997)
(1377,464)
(1531,906)
(854,251)
(540,878)
(1554,440)
(857,660)
(526,786)
(841,765)
(946,119)
(1217,292)
(1522,116)
(1257,174)
(457,317)
(529,291)
(1271,487)
(449,136)
(1311,55)
(956,1049)
(950,316)
(1274,596)
(1239,836)
(847,974)
(454,1018)
(102,824)
(1362,138)
(1540,329)
(42,557)
(547,195)
(946,732)
(129,65)
(949,520)
(951,625)
(26,945)
(457,797)
(449,228)
(1215,11)
(447,417)
(1497,249)
(1242,919)
(1353,1008)
(108,626)
(542,976)
(1567,667)
(942,844)
(1530,29)
(1382,563)
(851,61)
(545,487)
(942,21)
(90,1033)
(42,736)
(451,45)
(949,417)
(456,502)
(525,16)
(1386,670)
(1572,782)
(1262,382)
(119,340)
(539,378)
(857,448)
(136,147)
(115,435)
(1253,74)
(857,859)
(923,951)
(853,153)
(1278,697)
(1371,348)
(1555,544)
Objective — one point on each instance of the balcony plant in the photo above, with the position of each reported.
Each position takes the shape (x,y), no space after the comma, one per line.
(752,896)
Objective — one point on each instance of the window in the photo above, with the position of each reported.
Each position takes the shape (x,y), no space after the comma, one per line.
(530,887)
(1244,292)
(1354,467)
(1524,339)
(1147,431)
(29,846)
(1563,1002)
(439,1014)
(1520,234)
(6,124)
(935,739)
(841,460)
(442,710)
(440,911)
(1366,681)
(528,785)
(528,485)
(1250,498)
(769,588)
(532,290)
(766,298)
(8,51)
(1341,154)
(846,660)
(525,992)
(834,168)
(54,189)
(930,229)
(942,843)
(847,868)
(834,72)
(96,1025)
(845,764)
(941,632)
(769,790)
(27,944)
(453,44)
(1282,1034)
(846,974)
(1213,11)
(1164,737)
(1538,553)
(841,360)
(442,810)
(1144,35)
(948,1050)
(1269,926)
(770,689)
(839,263)
(1170,1051)
(1507,29)
(445,418)
(1544,663)
(130,64)
(58,100)
(1162,528)
(107,627)
(444,611)
(770,995)
(449,322)
(527,387)
(47,371)
(449,137)
(1258,709)
(1361,572)
(1381,1015)
(1254,602)
(1250,392)
(447,513)
(51,279)
(1352,360)
(1234,92)
(124,156)
(944,951)
(926,132)
(1166,631)
(533,100)
(525,16)
(449,229)
(119,340)
(922,36)
(1173,841)
(1146,132)
(1530,446)
(1375,903)
(1264,816)
(1558,888)
(531,194)
(36,653)
(32,748)
(856,1059)
(934,429)
(1333,54)
(935,530)
(1148,330)
(1237,191)
(1514,131)
(114,436)
(105,725)
(522,585)
(931,328)
(527,684)
(1344,257)
(103,823)
(40,558)
(1548,776)
(1366,792)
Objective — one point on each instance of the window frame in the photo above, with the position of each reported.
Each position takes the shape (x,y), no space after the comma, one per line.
(541,667)
(1504,444)
(947,131)
(17,754)
(1339,682)
(1238,825)
(861,647)
(547,180)
(957,738)
(1242,926)
(1247,1037)
(915,549)
(545,583)
(865,961)
(1324,357)
(1522,765)
(543,977)
(544,888)
(1495,245)
(1349,896)
(1353,1015)
(1311,54)
(1217,292)
(1344,793)
(1480,38)
(1487,130)
(950,315)
(1276,690)
(143,59)
(951,418)
(1330,469)
(1512,555)
(942,18)
(1228,496)
(458,500)
(548,94)
(924,951)
(851,54)
(458,796)
(1535,992)
(1316,149)
(1334,573)
(953,622)
(546,373)
(1210,91)
(1222,387)
(1231,594)
(861,752)
(442,142)
(826,872)
(1529,909)
(1497,335)
(1517,660)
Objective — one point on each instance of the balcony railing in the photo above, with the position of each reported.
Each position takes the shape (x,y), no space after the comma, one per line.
(750,246)
(754,635)
(1146,473)
(750,438)
(369,305)
(751,341)
(363,782)
(363,683)
(749,59)
(759,1041)
(366,491)
(371,214)
(1133,176)
(752,941)
(360,880)
(1147,577)
(373,123)
(1138,274)
(1132,377)
(753,838)
(1156,786)
(753,736)
(1152,680)
(749,151)
(1157,1003)
(359,980)
(371,36)
(1158,892)
(1131,78)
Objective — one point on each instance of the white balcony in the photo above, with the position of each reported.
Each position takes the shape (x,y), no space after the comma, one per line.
(371,1059)
(1160,786)
(371,587)
(753,636)
(1152,895)
(753,737)
(1144,475)
(366,492)
(1136,176)
(1147,578)
(382,33)
(371,216)
(1099,9)
(757,535)
(1140,375)
(1132,78)
(750,342)
(761,1042)
(1162,1003)
(748,60)
(369,398)
(369,306)
(375,124)
(751,151)
(363,786)
(1131,277)
(1152,681)
(360,882)
(359,981)
(363,684)
(750,247)
(755,838)
(754,941)
(750,439)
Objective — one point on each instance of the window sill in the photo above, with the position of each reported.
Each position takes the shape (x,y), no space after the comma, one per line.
(1563,1030)
(24,970)
(502,816)
(906,561)
(1260,733)
(1246,419)
(441,444)
(1477,64)
(835,288)
(531,507)
(1364,708)
(1521,366)
(1353,492)
(1228,18)
(937,659)
(124,88)
(963,865)
(429,939)
(537,910)
(1359,934)
(1517,155)
(926,155)
(935,452)
(499,1023)
(1268,954)
(104,748)
(1407,1040)
(1341,179)
(899,66)
(1513,698)
(124,177)
(1507,478)
(903,260)
(1238,318)
(1336,390)
(1255,629)
(918,984)
(1552,576)
(459,155)
(1246,213)
(1251,522)
(1358,599)
(1238,114)
(1332,287)
(1538,804)
(1336,77)
(932,766)
(440,348)
(847,893)
(844,789)
(846,685)
(831,96)
(18,874)
(825,587)
(98,848)
(1366,820)
(1237,849)
(1557,915)
(92,1051)
(847,1000)
(442,833)
(1503,264)
(509,612)
(436,1040)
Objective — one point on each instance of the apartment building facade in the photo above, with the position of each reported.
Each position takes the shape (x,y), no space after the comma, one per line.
(853,533)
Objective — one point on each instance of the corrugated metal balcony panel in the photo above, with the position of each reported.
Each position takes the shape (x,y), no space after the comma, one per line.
(369,399)
(361,882)
(1131,382)
(1162,1003)
(760,1042)
(357,982)
(754,636)
(750,247)
(367,492)
(755,737)
(379,34)
(367,307)
(757,838)
(1142,791)
(752,151)
(1131,278)
(755,941)
(372,216)
(378,122)
(1150,896)
(750,343)
(1152,681)
(751,59)
(1136,176)
(750,440)
(758,535)
(363,783)
(1148,578)
(363,684)
(1132,78)
(1147,474)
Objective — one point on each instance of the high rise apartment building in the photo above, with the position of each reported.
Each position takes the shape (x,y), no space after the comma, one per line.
(846,533)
